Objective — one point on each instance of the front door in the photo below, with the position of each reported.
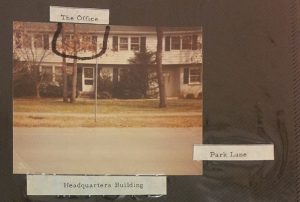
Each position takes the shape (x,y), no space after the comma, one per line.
(88,75)
(171,82)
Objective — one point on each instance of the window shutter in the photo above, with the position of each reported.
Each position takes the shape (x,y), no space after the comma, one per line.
(46,41)
(115,75)
(167,43)
(194,42)
(115,43)
(186,76)
(143,44)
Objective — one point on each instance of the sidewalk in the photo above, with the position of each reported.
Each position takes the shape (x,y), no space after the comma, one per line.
(106,150)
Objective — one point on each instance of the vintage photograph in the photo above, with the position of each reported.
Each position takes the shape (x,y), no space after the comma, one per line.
(136,108)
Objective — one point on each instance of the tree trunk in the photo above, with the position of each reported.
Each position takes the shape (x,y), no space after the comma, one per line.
(37,89)
(161,82)
(64,69)
(74,76)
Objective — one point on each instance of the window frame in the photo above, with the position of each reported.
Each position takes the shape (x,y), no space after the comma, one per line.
(171,44)
(190,75)
(136,43)
(121,43)
(194,45)
(129,43)
(190,44)
(51,74)
(120,74)
(38,39)
(42,41)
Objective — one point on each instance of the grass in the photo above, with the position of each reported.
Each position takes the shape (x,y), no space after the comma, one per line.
(107,106)
(113,108)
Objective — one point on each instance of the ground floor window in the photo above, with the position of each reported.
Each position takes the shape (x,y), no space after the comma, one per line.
(123,74)
(52,73)
(58,74)
(192,75)
(47,74)
(195,75)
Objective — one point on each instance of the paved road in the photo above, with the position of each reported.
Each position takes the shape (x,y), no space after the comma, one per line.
(106,150)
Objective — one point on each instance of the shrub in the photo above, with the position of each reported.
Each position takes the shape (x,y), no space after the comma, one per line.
(51,89)
(23,86)
(104,86)
(190,96)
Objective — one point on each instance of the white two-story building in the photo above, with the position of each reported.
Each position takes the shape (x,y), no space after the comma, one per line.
(181,56)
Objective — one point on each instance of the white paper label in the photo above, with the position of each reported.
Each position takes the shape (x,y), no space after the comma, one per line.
(79,15)
(248,152)
(95,185)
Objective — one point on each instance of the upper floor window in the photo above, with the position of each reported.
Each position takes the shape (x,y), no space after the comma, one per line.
(18,40)
(185,42)
(88,43)
(39,41)
(22,40)
(175,43)
(134,43)
(123,43)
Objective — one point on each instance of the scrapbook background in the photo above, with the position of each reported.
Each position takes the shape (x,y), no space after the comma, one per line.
(250,74)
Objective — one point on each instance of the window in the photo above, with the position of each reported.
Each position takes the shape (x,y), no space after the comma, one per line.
(123,74)
(27,41)
(46,73)
(58,74)
(38,41)
(88,43)
(18,40)
(135,43)
(192,75)
(175,43)
(187,42)
(123,43)
(195,75)
(41,41)
(88,73)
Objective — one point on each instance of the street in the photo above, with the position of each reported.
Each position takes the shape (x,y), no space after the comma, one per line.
(102,151)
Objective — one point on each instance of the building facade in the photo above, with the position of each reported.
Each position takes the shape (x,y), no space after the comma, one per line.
(181,55)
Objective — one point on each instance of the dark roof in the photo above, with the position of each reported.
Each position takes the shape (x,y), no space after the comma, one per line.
(51,27)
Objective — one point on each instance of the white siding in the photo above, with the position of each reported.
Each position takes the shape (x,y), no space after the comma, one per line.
(186,89)
(122,56)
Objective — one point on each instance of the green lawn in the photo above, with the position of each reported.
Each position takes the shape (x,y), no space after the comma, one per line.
(106,106)
(113,108)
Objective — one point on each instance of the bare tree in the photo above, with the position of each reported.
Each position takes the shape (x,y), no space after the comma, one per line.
(161,83)
(74,75)
(31,52)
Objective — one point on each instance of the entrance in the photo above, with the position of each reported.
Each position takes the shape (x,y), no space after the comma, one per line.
(88,75)
(171,82)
